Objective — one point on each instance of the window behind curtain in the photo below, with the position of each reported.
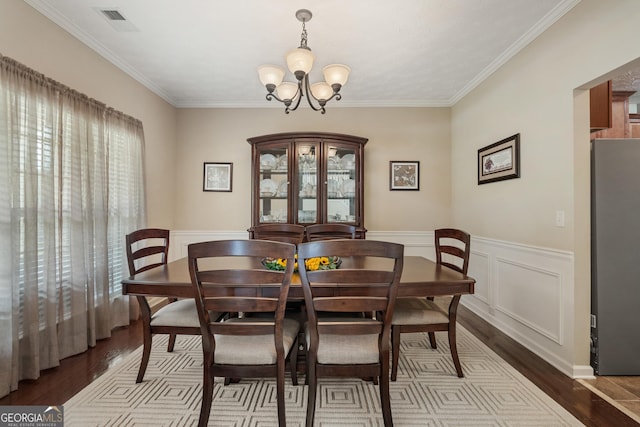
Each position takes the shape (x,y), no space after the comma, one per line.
(74,187)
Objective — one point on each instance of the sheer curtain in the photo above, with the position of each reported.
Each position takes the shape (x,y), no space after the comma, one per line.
(72,186)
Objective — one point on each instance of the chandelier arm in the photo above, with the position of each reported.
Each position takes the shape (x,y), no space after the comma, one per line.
(287,102)
(297,97)
(310,97)
(271,96)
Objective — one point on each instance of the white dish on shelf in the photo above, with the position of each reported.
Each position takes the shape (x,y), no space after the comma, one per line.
(348,188)
(268,188)
(334,162)
(282,163)
(268,161)
(282,189)
(332,188)
(349,161)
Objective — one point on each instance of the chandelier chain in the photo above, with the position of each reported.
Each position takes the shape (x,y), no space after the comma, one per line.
(303,36)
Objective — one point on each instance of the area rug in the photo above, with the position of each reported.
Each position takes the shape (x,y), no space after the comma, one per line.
(427,393)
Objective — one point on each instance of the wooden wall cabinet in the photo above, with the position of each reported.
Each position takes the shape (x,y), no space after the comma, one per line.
(621,126)
(601,98)
(307,178)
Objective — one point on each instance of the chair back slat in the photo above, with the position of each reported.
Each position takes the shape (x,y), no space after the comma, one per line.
(330,232)
(450,255)
(350,328)
(288,233)
(238,304)
(143,250)
(239,276)
(242,328)
(350,304)
(351,276)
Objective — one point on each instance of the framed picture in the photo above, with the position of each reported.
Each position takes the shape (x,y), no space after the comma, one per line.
(499,161)
(404,175)
(217,177)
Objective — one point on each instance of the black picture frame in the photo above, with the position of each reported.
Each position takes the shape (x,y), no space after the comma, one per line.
(404,175)
(499,161)
(217,176)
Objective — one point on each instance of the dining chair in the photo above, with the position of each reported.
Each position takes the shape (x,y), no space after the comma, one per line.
(227,276)
(330,231)
(424,314)
(279,232)
(350,346)
(146,249)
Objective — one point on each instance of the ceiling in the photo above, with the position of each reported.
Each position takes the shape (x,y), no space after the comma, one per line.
(204,53)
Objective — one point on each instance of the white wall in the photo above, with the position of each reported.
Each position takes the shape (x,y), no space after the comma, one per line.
(535,95)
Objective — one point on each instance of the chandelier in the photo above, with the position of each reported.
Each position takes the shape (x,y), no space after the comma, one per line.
(300,62)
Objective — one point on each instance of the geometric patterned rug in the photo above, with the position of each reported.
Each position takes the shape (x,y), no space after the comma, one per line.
(427,393)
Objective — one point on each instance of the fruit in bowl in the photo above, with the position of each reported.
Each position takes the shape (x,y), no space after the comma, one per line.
(312,264)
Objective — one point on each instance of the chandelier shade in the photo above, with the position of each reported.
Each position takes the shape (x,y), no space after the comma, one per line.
(336,74)
(270,74)
(287,90)
(321,90)
(300,62)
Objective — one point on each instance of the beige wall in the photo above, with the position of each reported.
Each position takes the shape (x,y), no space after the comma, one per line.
(220,135)
(533,95)
(30,38)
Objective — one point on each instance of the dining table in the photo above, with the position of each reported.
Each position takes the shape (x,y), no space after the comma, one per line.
(421,277)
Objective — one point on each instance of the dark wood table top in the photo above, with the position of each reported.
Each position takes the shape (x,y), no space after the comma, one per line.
(420,277)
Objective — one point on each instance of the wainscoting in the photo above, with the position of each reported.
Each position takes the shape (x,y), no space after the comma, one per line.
(524,291)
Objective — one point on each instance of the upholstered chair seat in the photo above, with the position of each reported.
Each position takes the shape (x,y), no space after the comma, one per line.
(346,349)
(253,349)
(179,313)
(416,311)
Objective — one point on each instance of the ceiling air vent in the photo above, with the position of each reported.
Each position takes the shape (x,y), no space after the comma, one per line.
(113,15)
(116,19)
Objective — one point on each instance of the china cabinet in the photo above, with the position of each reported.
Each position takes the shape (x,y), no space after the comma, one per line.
(307,178)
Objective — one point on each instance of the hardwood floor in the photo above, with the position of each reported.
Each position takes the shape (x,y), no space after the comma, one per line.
(591,409)
(57,385)
(624,391)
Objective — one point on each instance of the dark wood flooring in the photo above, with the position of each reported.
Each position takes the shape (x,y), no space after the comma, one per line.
(57,385)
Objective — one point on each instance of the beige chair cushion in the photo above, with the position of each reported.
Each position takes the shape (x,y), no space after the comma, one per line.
(345,349)
(418,311)
(179,313)
(253,349)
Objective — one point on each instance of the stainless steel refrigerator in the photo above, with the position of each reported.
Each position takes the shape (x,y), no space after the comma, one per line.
(615,256)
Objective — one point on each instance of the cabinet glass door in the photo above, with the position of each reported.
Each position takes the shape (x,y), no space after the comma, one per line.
(274,184)
(341,184)
(307,167)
